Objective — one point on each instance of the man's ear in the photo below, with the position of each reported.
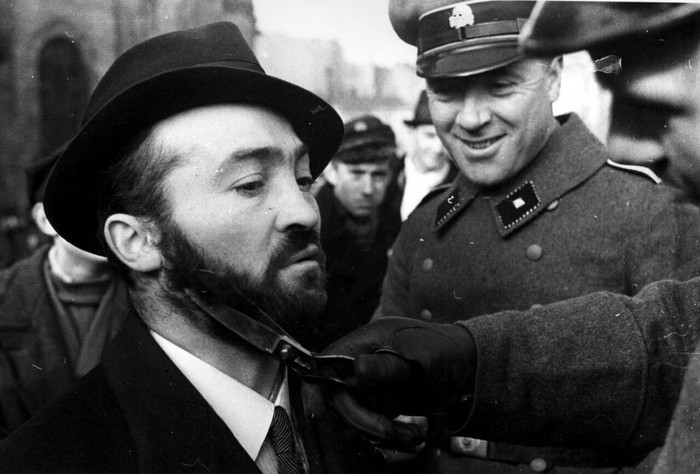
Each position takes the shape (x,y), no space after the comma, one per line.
(331,173)
(555,71)
(132,241)
(41,221)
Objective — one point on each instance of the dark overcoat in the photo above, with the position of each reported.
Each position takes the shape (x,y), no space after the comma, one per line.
(603,370)
(136,412)
(569,224)
(355,273)
(34,364)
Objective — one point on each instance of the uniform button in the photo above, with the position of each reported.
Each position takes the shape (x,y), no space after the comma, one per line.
(534,252)
(427,264)
(553,205)
(426,315)
(538,465)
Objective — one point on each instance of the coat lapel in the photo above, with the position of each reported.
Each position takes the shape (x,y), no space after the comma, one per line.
(172,425)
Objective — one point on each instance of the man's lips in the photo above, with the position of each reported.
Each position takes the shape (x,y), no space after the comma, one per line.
(481,144)
(312,253)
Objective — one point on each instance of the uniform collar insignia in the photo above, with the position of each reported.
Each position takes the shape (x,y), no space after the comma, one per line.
(517,205)
(460,194)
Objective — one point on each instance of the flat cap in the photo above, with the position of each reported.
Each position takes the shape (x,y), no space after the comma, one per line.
(563,27)
(457,39)
(367,139)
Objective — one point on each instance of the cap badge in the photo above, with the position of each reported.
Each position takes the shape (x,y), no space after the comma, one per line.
(360,127)
(462,15)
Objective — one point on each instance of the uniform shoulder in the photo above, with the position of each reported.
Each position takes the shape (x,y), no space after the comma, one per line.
(641,171)
(434,194)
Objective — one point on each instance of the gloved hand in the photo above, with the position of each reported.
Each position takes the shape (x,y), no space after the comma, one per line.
(408,367)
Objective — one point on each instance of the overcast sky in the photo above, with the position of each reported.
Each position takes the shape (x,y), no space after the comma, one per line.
(361,26)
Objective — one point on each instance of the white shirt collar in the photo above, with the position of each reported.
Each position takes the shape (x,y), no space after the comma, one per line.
(417,185)
(246,413)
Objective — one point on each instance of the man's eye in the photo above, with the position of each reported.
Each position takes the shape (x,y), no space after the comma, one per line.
(305,183)
(502,87)
(445,88)
(249,187)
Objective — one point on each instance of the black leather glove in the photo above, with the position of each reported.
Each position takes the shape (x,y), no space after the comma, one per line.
(408,367)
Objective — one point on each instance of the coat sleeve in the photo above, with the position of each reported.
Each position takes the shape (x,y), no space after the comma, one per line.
(665,242)
(599,370)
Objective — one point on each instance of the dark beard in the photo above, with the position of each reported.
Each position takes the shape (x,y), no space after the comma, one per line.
(297,313)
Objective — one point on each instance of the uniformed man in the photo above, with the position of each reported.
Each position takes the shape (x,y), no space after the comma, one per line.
(603,369)
(358,228)
(539,213)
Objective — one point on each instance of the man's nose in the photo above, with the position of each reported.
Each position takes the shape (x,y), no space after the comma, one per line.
(475,111)
(367,185)
(296,208)
(635,131)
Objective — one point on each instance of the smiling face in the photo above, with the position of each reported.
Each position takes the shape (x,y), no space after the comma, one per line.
(240,198)
(655,118)
(493,124)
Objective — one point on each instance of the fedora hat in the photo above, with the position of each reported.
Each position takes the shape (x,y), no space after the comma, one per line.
(161,77)
(421,115)
(563,27)
(457,39)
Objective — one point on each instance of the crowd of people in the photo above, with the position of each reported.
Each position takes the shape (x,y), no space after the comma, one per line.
(508,295)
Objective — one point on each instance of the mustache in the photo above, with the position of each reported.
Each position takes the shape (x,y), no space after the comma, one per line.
(294,241)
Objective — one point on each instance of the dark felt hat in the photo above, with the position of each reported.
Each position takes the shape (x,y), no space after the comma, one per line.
(456,39)
(421,115)
(161,77)
(563,27)
(367,139)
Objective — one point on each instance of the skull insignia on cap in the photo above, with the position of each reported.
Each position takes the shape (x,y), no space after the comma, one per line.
(462,16)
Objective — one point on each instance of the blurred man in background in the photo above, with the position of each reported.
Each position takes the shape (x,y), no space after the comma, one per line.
(59,308)
(426,164)
(358,227)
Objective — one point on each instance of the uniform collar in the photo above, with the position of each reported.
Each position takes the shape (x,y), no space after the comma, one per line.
(571,155)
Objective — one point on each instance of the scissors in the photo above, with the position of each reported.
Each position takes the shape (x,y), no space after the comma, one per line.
(220,300)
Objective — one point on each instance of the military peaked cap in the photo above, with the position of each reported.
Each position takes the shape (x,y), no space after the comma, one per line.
(456,39)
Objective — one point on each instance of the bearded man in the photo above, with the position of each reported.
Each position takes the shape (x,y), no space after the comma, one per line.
(190,158)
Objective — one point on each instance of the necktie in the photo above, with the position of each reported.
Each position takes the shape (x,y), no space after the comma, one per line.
(288,460)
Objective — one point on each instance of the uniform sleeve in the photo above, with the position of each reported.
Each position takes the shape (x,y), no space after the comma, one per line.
(663,232)
(600,370)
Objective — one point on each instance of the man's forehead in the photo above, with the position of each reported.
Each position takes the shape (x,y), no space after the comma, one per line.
(238,130)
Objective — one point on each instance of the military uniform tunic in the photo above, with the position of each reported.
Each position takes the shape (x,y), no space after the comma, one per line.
(571,223)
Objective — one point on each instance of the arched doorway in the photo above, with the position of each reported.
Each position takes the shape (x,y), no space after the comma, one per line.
(63,91)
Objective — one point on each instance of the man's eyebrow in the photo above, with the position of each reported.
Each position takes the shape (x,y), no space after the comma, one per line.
(262,153)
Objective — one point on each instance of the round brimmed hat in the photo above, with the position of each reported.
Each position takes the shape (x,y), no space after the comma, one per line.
(457,39)
(367,139)
(563,27)
(161,77)
(421,114)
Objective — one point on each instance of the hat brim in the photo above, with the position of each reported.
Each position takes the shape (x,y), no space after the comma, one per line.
(71,194)
(469,57)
